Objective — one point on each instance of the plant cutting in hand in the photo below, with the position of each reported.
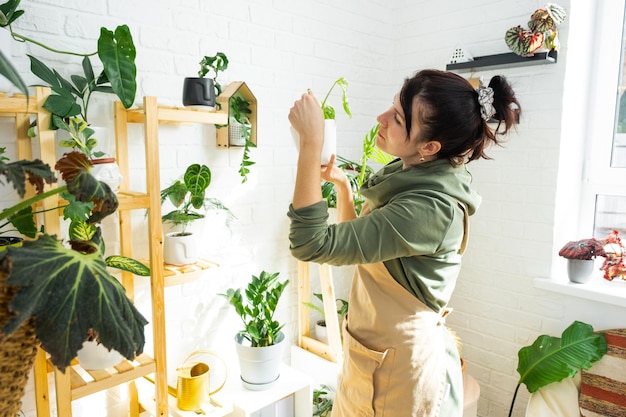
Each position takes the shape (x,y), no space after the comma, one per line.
(329,111)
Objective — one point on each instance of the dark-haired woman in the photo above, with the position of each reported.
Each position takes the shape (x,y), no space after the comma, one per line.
(399,358)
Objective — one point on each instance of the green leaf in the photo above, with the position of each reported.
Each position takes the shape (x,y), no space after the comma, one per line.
(36,172)
(10,73)
(42,71)
(24,222)
(69,294)
(9,12)
(117,53)
(128,264)
(197,179)
(550,359)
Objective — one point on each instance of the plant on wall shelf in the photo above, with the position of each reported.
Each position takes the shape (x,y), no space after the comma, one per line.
(212,66)
(542,31)
(240,109)
(551,359)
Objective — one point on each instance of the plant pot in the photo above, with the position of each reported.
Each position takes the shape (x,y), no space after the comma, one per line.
(94,355)
(235,133)
(198,92)
(107,171)
(330,140)
(17,355)
(321,332)
(180,248)
(259,366)
(580,271)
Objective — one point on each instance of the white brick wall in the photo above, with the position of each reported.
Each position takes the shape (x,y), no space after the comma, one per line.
(281,48)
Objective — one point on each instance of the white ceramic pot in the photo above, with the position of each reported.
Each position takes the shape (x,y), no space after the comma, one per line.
(259,366)
(235,133)
(180,248)
(107,171)
(330,140)
(94,355)
(580,271)
(321,332)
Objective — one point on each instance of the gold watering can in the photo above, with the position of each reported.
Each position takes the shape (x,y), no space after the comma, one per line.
(196,381)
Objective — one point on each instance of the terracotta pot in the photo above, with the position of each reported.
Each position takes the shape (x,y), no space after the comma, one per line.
(17,354)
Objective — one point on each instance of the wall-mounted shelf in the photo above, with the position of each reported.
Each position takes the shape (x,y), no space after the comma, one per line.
(233,88)
(506,60)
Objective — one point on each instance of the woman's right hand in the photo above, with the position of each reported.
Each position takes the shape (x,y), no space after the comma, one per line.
(307,119)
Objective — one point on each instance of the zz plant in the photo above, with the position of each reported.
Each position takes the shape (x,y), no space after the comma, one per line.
(258,308)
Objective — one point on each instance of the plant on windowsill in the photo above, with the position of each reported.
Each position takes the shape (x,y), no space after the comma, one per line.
(262,334)
(542,31)
(580,255)
(614,253)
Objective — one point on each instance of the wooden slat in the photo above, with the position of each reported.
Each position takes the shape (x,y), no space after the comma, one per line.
(178,115)
(42,397)
(304,290)
(17,103)
(330,311)
(111,380)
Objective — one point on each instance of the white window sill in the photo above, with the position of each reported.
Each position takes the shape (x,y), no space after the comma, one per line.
(598,289)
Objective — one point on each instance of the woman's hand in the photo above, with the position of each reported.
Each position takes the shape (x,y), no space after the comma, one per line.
(307,119)
(332,173)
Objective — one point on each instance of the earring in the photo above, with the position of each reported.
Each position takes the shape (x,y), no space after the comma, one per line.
(422,158)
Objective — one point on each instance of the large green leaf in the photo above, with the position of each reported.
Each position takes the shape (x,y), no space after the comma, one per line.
(550,359)
(197,179)
(8,70)
(117,53)
(69,294)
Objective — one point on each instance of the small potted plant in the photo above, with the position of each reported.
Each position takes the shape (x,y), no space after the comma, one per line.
(330,127)
(320,325)
(201,91)
(542,31)
(259,344)
(188,196)
(614,253)
(581,255)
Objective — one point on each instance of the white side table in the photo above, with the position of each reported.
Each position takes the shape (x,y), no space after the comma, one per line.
(248,403)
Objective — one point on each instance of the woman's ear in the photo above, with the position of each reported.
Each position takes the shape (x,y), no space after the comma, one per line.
(430,148)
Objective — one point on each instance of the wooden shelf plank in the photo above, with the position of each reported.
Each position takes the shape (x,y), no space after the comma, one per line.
(110,377)
(505,60)
(169,114)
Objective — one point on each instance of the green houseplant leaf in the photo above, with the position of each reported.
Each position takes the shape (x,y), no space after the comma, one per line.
(117,53)
(551,359)
(11,74)
(70,294)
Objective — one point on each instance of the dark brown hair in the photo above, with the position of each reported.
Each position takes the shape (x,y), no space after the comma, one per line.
(448,112)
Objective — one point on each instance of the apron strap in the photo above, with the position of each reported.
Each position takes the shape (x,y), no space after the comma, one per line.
(465,228)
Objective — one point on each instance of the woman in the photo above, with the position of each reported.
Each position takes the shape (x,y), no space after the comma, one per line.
(399,358)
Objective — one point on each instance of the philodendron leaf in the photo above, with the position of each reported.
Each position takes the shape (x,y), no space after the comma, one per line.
(550,359)
(117,53)
(69,294)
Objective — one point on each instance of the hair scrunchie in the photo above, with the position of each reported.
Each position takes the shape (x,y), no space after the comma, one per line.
(485,99)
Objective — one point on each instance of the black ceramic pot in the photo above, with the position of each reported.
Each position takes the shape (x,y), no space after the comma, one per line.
(198,92)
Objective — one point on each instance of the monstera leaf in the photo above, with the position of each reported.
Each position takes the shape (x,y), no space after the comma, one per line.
(550,359)
(71,294)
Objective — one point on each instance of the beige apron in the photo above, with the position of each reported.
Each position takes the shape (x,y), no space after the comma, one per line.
(395,357)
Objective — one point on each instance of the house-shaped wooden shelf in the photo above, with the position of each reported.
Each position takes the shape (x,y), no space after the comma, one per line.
(224,98)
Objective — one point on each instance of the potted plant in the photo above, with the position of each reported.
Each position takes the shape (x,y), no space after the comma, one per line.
(56,293)
(322,401)
(551,359)
(201,91)
(320,325)
(239,132)
(330,127)
(614,253)
(542,31)
(259,344)
(188,196)
(580,255)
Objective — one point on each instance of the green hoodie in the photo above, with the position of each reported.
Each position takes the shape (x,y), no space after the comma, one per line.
(415,227)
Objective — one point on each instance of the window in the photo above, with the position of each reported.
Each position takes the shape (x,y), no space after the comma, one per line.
(604,188)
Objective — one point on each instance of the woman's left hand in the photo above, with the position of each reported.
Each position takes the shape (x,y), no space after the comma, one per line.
(307,119)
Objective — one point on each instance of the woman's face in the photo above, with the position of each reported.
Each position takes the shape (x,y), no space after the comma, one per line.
(392,136)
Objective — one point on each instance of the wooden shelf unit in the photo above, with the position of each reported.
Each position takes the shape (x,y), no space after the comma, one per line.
(77,382)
